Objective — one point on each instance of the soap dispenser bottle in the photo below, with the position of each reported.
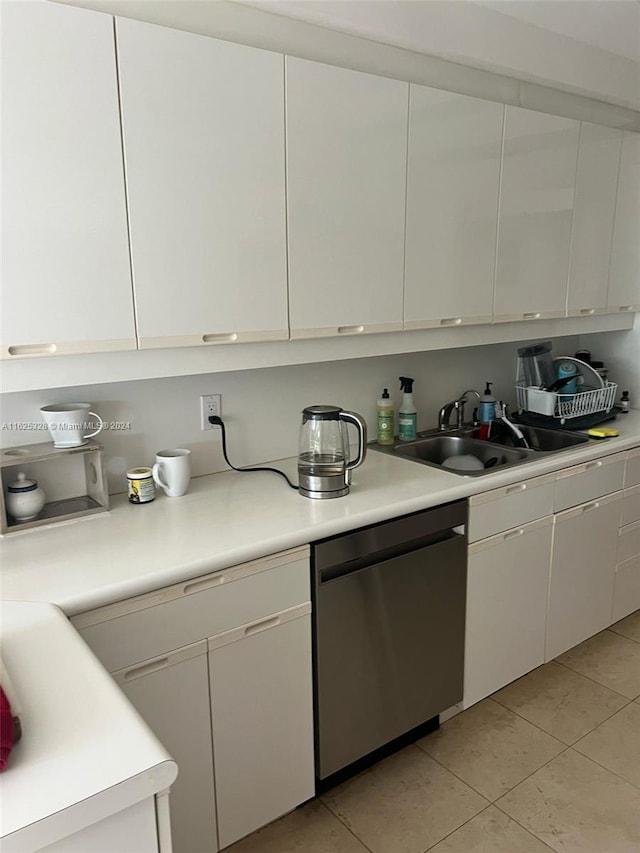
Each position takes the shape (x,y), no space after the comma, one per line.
(407,415)
(486,412)
(385,419)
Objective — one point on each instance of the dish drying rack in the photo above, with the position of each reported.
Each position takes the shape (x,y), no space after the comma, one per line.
(564,406)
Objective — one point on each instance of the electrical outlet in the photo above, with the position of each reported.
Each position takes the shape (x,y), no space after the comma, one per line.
(210,404)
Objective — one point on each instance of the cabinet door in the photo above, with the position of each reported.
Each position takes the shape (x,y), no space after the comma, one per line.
(507,584)
(203,124)
(346,177)
(172,694)
(453,176)
(66,282)
(595,200)
(261,704)
(582,573)
(536,205)
(624,275)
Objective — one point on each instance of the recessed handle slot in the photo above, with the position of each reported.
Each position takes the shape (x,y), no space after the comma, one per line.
(33,349)
(534,315)
(512,490)
(513,534)
(451,321)
(590,466)
(625,308)
(591,506)
(262,626)
(587,310)
(146,668)
(199,586)
(350,330)
(227,338)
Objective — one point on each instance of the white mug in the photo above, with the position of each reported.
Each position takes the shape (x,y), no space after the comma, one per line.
(172,471)
(68,422)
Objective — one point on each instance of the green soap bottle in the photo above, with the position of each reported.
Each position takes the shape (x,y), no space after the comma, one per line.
(385,419)
(407,415)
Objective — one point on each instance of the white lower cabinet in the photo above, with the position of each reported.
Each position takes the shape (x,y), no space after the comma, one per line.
(507,579)
(582,573)
(262,721)
(220,668)
(171,693)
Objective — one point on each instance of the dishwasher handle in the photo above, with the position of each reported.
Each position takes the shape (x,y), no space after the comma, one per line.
(380,558)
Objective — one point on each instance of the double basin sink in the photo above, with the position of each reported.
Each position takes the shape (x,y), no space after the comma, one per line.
(468,456)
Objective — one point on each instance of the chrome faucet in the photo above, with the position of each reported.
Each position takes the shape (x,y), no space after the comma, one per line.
(457,405)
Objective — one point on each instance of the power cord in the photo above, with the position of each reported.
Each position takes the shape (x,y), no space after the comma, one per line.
(216,421)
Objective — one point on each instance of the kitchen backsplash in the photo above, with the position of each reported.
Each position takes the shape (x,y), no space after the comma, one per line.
(261,408)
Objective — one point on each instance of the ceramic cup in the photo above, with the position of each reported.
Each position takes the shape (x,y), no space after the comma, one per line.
(172,471)
(68,423)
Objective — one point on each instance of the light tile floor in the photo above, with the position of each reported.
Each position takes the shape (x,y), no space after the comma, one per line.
(550,762)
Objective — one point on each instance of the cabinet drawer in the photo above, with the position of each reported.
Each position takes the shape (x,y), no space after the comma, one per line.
(511,506)
(626,590)
(628,542)
(630,506)
(150,625)
(588,481)
(632,471)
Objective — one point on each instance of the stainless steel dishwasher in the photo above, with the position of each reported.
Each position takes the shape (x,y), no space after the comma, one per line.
(389,614)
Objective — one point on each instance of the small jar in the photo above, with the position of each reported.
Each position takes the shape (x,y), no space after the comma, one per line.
(25,499)
(140,486)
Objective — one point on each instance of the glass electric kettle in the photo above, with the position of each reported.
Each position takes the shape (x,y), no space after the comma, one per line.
(324,466)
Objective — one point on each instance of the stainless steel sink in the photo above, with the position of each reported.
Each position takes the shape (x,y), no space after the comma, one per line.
(434,450)
(539,439)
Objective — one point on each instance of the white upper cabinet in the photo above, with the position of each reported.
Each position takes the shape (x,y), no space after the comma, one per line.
(66,282)
(594,205)
(624,277)
(536,205)
(346,178)
(203,124)
(452,208)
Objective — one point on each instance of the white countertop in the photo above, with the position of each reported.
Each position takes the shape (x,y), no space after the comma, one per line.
(232,517)
(85,754)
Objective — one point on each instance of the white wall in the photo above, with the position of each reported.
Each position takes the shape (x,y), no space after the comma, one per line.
(621,353)
(261,408)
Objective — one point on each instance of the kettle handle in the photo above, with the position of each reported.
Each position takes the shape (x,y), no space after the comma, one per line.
(361,426)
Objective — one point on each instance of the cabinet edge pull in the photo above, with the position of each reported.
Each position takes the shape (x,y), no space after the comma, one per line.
(350,330)
(513,534)
(533,315)
(198,586)
(592,505)
(262,626)
(226,338)
(625,308)
(451,321)
(32,349)
(587,311)
(145,668)
(590,466)
(511,490)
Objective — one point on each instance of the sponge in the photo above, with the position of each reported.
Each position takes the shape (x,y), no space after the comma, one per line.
(602,432)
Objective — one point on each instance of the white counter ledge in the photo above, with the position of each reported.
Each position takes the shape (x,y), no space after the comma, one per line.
(232,517)
(85,754)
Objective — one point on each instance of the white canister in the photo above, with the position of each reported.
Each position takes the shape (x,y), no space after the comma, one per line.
(25,498)
(140,486)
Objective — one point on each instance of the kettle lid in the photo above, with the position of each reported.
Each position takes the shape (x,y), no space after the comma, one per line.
(321,413)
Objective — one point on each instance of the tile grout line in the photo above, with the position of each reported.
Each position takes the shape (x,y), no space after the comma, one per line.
(597,725)
(473,817)
(348,828)
(566,666)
